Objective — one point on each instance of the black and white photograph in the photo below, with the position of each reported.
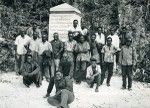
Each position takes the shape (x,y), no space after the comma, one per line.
(74,53)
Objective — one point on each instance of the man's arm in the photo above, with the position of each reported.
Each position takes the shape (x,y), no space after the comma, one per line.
(36,70)
(98,71)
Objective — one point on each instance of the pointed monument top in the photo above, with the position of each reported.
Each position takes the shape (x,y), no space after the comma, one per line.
(64,8)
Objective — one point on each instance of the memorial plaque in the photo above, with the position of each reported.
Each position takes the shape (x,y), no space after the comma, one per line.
(61,20)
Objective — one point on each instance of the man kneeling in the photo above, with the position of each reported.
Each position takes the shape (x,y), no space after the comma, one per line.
(64,91)
(93,74)
(31,72)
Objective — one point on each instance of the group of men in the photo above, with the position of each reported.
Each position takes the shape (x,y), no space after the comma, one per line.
(83,57)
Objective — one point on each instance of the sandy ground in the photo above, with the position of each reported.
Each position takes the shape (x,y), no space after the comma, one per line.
(13,94)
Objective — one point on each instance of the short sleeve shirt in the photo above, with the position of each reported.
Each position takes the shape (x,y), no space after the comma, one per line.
(90,70)
(83,56)
(69,46)
(108,52)
(21,42)
(34,44)
(44,47)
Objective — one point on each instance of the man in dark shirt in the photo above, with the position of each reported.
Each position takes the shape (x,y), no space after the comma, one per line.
(57,47)
(66,66)
(64,91)
(31,72)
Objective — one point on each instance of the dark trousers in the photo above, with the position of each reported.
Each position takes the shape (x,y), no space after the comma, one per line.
(45,69)
(20,59)
(28,80)
(95,80)
(80,73)
(62,100)
(127,73)
(107,67)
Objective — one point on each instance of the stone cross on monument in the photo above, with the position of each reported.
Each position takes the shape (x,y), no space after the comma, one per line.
(61,19)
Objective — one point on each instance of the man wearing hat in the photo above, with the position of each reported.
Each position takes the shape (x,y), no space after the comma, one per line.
(128,61)
(93,74)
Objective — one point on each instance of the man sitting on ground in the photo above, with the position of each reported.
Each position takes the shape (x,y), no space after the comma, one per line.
(64,91)
(93,74)
(31,72)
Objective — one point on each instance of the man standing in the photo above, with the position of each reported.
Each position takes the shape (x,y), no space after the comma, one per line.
(128,61)
(108,52)
(66,66)
(45,56)
(76,30)
(34,45)
(85,32)
(31,72)
(100,38)
(64,91)
(57,47)
(82,49)
(69,49)
(94,49)
(116,44)
(21,44)
(93,74)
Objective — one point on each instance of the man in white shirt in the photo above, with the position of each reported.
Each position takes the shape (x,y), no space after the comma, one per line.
(34,45)
(85,32)
(45,57)
(21,44)
(100,38)
(76,29)
(93,74)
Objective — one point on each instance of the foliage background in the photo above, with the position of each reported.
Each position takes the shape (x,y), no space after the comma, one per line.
(134,14)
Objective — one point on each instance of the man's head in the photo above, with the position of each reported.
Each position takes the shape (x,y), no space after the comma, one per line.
(44,36)
(34,26)
(29,58)
(56,36)
(99,29)
(128,41)
(59,75)
(111,32)
(22,32)
(109,41)
(83,25)
(35,35)
(82,39)
(70,35)
(93,37)
(93,62)
(75,23)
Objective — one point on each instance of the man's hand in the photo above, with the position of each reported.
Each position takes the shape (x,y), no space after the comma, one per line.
(47,95)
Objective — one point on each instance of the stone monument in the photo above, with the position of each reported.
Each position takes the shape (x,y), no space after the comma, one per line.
(61,19)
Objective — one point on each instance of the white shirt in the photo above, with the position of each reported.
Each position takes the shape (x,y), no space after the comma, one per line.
(115,41)
(100,38)
(69,46)
(34,44)
(90,71)
(21,42)
(75,29)
(44,47)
